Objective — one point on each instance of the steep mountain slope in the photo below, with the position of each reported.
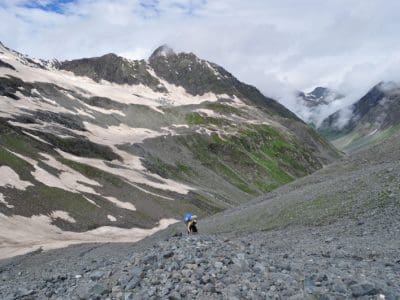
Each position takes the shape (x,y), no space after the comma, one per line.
(112,142)
(372,118)
(358,187)
(316,102)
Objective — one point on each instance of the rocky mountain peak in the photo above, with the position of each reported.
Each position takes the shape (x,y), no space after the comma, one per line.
(111,56)
(320,91)
(163,51)
(319,96)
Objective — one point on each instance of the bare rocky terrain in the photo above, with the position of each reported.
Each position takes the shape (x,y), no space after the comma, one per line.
(332,235)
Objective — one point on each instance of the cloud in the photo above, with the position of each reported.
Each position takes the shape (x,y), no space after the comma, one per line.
(279,46)
(137,54)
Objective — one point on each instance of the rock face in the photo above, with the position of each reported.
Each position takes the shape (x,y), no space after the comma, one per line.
(115,69)
(373,117)
(108,141)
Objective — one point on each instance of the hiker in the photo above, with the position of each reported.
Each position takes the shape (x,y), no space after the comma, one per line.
(190,221)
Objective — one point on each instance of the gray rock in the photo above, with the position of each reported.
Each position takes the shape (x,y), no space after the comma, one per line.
(168,254)
(338,287)
(150,259)
(83,291)
(328,240)
(128,296)
(99,290)
(241,264)
(96,275)
(259,268)
(362,289)
(210,288)
(23,292)
(174,296)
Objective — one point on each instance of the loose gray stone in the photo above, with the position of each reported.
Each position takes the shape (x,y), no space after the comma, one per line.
(96,275)
(168,254)
(99,290)
(362,289)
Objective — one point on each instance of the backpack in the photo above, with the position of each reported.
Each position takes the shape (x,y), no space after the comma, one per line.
(187,217)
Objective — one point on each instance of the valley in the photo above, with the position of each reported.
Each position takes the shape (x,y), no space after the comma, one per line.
(333,235)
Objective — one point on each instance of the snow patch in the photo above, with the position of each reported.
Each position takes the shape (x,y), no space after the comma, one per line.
(125,205)
(216,73)
(3,201)
(36,138)
(132,171)
(373,132)
(12,107)
(180,126)
(91,201)
(69,179)
(59,214)
(19,235)
(111,218)
(102,110)
(8,178)
(207,112)
(84,113)
(114,135)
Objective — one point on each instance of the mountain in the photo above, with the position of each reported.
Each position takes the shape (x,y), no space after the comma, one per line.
(92,145)
(374,117)
(315,102)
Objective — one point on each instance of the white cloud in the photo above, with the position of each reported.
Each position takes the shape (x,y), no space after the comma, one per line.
(136,54)
(279,46)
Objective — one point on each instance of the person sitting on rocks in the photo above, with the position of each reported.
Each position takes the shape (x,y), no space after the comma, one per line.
(190,221)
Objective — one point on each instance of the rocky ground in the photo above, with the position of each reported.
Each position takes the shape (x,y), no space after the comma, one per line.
(337,261)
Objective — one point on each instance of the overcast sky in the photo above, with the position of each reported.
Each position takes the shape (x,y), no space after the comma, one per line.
(279,46)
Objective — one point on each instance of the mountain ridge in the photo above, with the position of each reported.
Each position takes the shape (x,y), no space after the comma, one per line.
(180,69)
